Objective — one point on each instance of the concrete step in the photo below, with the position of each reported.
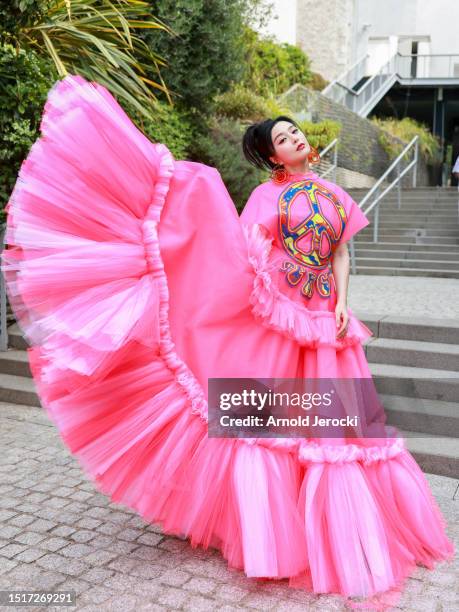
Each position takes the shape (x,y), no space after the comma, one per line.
(421,329)
(18,390)
(375,270)
(398,237)
(434,454)
(433,214)
(413,353)
(410,247)
(16,362)
(415,225)
(401,262)
(15,337)
(419,231)
(407,255)
(426,383)
(425,213)
(425,416)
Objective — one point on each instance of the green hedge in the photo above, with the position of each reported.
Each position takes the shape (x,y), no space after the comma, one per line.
(24,82)
(221,147)
(406,129)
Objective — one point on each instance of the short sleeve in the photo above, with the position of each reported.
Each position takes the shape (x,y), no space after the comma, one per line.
(356,219)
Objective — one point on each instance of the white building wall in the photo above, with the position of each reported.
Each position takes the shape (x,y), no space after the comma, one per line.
(336,33)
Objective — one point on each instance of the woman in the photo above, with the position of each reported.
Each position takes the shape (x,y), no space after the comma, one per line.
(135,282)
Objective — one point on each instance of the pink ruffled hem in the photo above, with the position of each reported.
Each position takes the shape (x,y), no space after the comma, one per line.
(311,328)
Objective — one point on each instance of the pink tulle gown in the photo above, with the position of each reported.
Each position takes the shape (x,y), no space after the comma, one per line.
(134,280)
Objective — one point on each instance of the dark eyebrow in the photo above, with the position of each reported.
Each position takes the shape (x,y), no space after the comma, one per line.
(281,133)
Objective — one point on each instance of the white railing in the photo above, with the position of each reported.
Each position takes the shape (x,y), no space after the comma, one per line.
(347,79)
(375,198)
(323,169)
(428,65)
(412,66)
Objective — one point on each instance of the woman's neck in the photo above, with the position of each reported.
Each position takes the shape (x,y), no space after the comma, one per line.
(298,169)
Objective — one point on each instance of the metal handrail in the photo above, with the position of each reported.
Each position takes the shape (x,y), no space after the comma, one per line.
(337,80)
(333,167)
(340,89)
(3,315)
(412,145)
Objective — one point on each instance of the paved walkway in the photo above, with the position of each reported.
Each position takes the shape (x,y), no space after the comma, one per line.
(58,532)
(436,298)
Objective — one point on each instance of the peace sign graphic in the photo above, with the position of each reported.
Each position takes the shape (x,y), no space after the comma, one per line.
(318,226)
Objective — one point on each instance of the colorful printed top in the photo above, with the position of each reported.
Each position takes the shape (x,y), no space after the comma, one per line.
(307,218)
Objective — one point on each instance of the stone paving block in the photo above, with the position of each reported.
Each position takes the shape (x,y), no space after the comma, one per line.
(7,514)
(97,575)
(200,585)
(174,577)
(88,523)
(172,596)
(82,536)
(150,539)
(22,520)
(198,604)
(63,531)
(42,525)
(109,528)
(29,555)
(11,550)
(53,561)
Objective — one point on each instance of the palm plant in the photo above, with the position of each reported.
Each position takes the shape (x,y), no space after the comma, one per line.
(97,39)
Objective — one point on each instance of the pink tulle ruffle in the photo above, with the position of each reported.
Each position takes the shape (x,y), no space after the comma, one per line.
(311,328)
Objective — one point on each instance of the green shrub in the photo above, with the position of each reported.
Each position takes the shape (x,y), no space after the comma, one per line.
(317,82)
(221,147)
(273,67)
(405,129)
(242,103)
(25,80)
(172,127)
(320,134)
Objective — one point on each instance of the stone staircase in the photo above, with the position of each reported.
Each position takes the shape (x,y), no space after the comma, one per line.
(419,239)
(415,365)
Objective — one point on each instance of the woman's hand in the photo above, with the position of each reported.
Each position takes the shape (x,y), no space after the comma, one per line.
(342,319)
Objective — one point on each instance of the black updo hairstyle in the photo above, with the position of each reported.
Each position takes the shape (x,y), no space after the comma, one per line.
(257,144)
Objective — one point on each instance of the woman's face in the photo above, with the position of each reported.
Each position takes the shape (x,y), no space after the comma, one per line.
(290,144)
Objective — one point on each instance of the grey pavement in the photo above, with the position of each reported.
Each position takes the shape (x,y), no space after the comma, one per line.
(436,298)
(58,532)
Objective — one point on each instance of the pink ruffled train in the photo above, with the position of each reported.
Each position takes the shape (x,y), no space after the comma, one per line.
(134,281)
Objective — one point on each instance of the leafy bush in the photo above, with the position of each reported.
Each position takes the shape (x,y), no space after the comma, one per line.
(171,126)
(25,80)
(317,82)
(273,67)
(405,129)
(320,134)
(206,55)
(221,148)
(18,13)
(242,103)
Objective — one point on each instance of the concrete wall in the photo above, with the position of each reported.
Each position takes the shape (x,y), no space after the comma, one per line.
(324,33)
(362,160)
